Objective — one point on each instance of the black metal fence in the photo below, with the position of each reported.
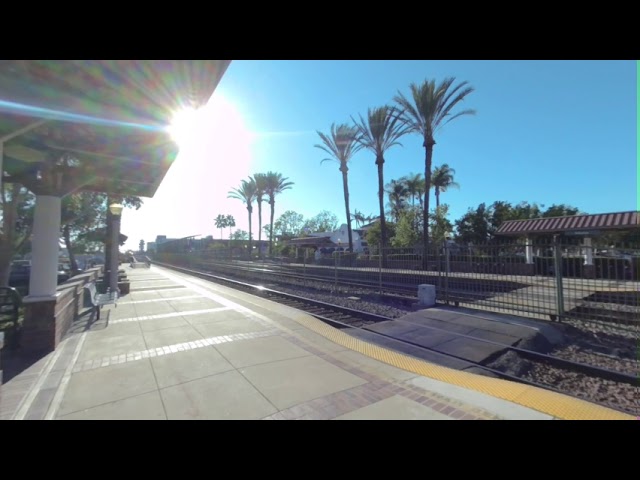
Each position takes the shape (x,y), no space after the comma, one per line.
(559,280)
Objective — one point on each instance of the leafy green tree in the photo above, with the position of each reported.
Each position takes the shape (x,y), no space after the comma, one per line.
(17,222)
(81,213)
(561,210)
(406,233)
(324,221)
(441,227)
(240,235)
(526,211)
(289,225)
(374,235)
(474,226)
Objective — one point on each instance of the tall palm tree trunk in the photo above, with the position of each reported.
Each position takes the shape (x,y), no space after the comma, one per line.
(437,190)
(428,146)
(383,222)
(260,227)
(272,204)
(250,249)
(345,187)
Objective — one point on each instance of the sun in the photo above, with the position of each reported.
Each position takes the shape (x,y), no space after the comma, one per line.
(219,120)
(185,126)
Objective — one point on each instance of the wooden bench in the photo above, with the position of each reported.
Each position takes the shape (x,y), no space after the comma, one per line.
(100,299)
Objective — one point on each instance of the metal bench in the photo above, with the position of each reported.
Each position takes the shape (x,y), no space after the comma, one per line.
(100,299)
(135,263)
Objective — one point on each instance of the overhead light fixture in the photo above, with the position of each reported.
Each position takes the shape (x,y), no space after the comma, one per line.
(115,209)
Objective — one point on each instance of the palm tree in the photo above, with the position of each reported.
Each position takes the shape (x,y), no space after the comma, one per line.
(398,194)
(358,217)
(428,110)
(442,179)
(378,133)
(342,144)
(275,184)
(231,223)
(221,222)
(415,186)
(261,189)
(247,193)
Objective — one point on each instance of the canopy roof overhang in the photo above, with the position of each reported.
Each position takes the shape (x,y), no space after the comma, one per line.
(576,224)
(311,241)
(107,119)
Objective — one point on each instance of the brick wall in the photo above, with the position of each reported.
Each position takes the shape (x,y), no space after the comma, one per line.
(47,322)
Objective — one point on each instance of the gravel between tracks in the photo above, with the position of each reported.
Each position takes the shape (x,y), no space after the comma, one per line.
(605,392)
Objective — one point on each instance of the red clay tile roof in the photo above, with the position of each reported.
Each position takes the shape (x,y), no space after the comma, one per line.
(601,221)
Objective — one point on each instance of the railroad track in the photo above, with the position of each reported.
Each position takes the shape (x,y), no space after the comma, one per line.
(484,296)
(343,317)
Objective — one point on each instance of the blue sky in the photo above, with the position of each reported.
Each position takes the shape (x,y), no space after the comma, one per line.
(545,131)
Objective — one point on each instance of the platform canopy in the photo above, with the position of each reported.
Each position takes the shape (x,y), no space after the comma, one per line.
(104,122)
(575,224)
(311,242)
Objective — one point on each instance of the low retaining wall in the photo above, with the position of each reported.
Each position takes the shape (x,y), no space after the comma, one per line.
(47,321)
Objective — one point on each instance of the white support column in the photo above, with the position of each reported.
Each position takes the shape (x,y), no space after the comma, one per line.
(43,279)
(588,254)
(528,250)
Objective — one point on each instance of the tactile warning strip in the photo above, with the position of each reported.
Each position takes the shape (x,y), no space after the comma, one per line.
(555,404)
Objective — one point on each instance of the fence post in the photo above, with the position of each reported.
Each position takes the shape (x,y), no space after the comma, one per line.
(380,268)
(335,269)
(304,268)
(447,270)
(1,345)
(557,267)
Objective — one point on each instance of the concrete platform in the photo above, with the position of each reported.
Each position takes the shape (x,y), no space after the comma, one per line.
(190,349)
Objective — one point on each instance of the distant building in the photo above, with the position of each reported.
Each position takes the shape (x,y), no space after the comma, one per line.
(338,240)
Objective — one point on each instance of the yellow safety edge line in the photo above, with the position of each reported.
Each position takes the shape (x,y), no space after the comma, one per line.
(545,401)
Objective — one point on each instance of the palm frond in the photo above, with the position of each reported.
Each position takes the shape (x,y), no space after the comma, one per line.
(430,105)
(381,130)
(329,160)
(341,144)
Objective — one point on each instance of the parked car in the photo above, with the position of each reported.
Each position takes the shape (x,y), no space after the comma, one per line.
(21,272)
